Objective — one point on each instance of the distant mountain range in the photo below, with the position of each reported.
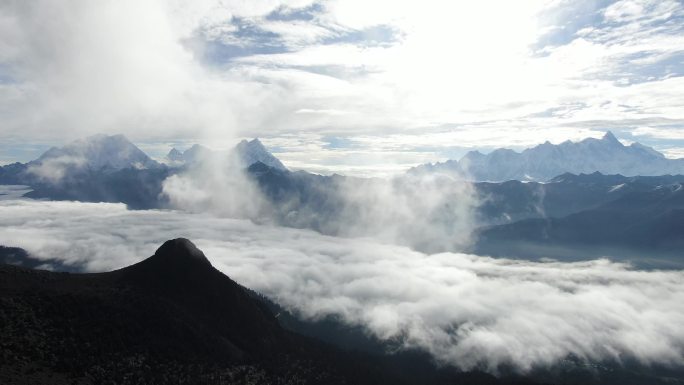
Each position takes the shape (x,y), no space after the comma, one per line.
(94,154)
(639,219)
(513,218)
(103,168)
(97,152)
(556,218)
(546,161)
(107,154)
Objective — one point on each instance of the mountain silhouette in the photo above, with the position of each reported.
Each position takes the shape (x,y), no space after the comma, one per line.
(174,319)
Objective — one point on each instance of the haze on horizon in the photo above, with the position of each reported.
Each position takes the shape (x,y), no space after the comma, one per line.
(341,86)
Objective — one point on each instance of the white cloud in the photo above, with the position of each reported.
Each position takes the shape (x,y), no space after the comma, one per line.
(659,133)
(674,152)
(297,33)
(464,309)
(642,10)
(54,169)
(118,66)
(12,192)
(426,212)
(216,183)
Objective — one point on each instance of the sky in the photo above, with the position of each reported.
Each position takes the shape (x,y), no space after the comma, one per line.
(349,86)
(465,310)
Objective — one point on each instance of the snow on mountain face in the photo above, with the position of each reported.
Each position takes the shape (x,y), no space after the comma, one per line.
(95,153)
(545,161)
(247,153)
(101,151)
(253,151)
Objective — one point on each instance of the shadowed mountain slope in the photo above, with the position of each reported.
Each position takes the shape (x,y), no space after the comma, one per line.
(173,319)
(643,225)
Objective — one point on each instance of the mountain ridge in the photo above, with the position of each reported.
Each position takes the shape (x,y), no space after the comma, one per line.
(545,161)
(247,152)
(96,152)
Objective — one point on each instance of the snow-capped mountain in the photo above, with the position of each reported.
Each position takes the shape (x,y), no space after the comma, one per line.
(193,154)
(247,152)
(254,151)
(545,161)
(97,152)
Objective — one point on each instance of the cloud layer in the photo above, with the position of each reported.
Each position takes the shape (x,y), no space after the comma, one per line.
(465,310)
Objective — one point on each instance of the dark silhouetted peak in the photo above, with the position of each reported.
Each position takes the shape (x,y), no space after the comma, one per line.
(179,271)
(179,258)
(177,262)
(181,250)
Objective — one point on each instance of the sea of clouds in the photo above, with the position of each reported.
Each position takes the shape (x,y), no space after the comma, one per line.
(466,310)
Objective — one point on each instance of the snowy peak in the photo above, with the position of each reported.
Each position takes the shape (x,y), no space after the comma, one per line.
(246,152)
(194,154)
(254,151)
(98,152)
(545,161)
(608,137)
(646,150)
(254,144)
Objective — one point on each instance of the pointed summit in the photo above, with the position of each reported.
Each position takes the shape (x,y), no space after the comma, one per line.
(98,152)
(610,138)
(174,155)
(181,250)
(606,155)
(253,145)
(176,263)
(254,151)
(256,142)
